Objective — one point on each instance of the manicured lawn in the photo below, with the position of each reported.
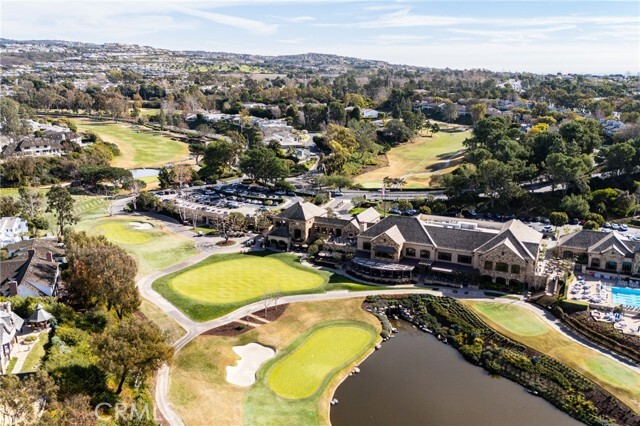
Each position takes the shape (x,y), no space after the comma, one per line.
(154,249)
(321,353)
(222,283)
(417,161)
(140,147)
(35,355)
(515,319)
(200,394)
(616,378)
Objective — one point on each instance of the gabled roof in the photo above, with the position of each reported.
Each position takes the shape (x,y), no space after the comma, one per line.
(611,241)
(369,215)
(516,244)
(509,244)
(458,239)
(410,228)
(280,231)
(302,211)
(582,239)
(395,234)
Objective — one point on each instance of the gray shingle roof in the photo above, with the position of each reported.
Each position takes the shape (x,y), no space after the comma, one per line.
(332,221)
(582,239)
(458,239)
(280,231)
(302,211)
(410,228)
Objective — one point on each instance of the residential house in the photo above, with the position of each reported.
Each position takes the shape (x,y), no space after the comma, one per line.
(10,327)
(34,147)
(12,229)
(32,270)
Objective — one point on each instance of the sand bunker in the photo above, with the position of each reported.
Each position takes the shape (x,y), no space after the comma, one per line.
(141,226)
(252,356)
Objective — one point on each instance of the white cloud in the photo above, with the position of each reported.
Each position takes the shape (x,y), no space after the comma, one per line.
(295,19)
(250,25)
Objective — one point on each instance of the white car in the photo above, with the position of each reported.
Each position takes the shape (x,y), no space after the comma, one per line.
(615,226)
(624,227)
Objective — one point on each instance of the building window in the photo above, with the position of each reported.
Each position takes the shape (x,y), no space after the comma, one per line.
(611,265)
(567,254)
(444,256)
(411,252)
(595,263)
(626,267)
(515,269)
(488,265)
(383,255)
(465,259)
(502,267)
(425,254)
(501,280)
(366,246)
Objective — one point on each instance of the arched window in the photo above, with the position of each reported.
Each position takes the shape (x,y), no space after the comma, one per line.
(515,269)
(595,262)
(501,280)
(626,267)
(488,265)
(411,252)
(611,265)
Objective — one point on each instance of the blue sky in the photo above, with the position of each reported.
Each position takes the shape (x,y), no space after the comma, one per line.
(543,36)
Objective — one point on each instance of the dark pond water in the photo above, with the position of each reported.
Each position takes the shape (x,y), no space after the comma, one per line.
(416,380)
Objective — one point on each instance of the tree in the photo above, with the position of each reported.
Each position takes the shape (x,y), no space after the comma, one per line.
(396,132)
(496,180)
(590,224)
(197,150)
(569,171)
(100,273)
(595,217)
(582,136)
(165,177)
(134,346)
(449,111)
(478,111)
(182,174)
(558,219)
(237,221)
(135,187)
(31,204)
(10,121)
(8,206)
(219,157)
(620,158)
(60,202)
(575,206)
(337,113)
(21,401)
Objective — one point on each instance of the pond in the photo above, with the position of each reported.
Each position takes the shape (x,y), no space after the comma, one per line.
(417,380)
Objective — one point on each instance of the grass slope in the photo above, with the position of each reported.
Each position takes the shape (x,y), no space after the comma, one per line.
(140,147)
(171,329)
(37,353)
(223,283)
(417,161)
(525,327)
(153,249)
(328,348)
(200,394)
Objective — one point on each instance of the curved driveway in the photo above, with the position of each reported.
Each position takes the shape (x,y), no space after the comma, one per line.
(194,329)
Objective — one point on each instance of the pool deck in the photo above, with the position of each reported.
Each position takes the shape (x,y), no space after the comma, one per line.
(597,291)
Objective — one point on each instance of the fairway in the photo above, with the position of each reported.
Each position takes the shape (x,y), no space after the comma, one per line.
(153,248)
(140,147)
(513,318)
(322,353)
(621,381)
(419,160)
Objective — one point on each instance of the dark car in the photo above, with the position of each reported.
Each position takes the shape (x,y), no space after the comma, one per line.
(411,212)
(395,211)
(575,221)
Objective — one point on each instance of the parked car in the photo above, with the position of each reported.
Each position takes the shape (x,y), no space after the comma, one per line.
(607,225)
(547,228)
(337,194)
(624,227)
(395,211)
(574,221)
(615,226)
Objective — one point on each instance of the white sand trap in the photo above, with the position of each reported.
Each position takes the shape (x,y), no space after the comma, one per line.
(252,356)
(141,226)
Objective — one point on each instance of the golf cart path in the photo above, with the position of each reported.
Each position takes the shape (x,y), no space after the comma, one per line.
(194,329)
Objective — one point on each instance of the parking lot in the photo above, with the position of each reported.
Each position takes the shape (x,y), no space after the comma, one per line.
(223,199)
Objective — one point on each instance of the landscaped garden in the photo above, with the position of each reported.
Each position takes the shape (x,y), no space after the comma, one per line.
(526,327)
(222,283)
(140,147)
(200,393)
(149,241)
(419,160)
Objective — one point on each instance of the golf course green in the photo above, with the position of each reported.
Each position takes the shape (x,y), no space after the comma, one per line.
(319,355)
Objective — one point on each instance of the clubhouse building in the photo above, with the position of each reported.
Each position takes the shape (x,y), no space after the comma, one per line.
(601,251)
(398,249)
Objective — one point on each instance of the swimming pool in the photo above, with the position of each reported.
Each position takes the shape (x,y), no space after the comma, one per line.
(626,296)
